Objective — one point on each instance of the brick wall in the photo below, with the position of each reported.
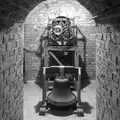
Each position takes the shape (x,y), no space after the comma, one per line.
(32,62)
(108,73)
(11,74)
(90,34)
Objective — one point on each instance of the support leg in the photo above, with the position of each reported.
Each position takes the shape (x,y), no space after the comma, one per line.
(43,106)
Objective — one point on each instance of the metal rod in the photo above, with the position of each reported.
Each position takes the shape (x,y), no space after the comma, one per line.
(58,61)
(79,86)
(44,85)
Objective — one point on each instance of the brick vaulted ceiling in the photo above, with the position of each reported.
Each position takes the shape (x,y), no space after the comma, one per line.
(12,11)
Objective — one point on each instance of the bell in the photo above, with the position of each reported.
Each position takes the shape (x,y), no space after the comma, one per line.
(61,94)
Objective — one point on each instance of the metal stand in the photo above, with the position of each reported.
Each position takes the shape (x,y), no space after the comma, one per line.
(49,50)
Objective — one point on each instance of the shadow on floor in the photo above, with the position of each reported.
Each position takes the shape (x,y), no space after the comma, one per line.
(66,111)
(85,80)
(86,107)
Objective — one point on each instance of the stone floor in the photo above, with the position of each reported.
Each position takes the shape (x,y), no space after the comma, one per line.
(32,95)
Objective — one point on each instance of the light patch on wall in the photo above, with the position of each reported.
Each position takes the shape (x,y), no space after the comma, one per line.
(53,8)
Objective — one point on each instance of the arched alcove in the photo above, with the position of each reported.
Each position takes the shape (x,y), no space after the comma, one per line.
(35,24)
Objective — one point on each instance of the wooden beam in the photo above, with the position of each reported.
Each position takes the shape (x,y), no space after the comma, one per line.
(108,17)
(109,13)
(3,8)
